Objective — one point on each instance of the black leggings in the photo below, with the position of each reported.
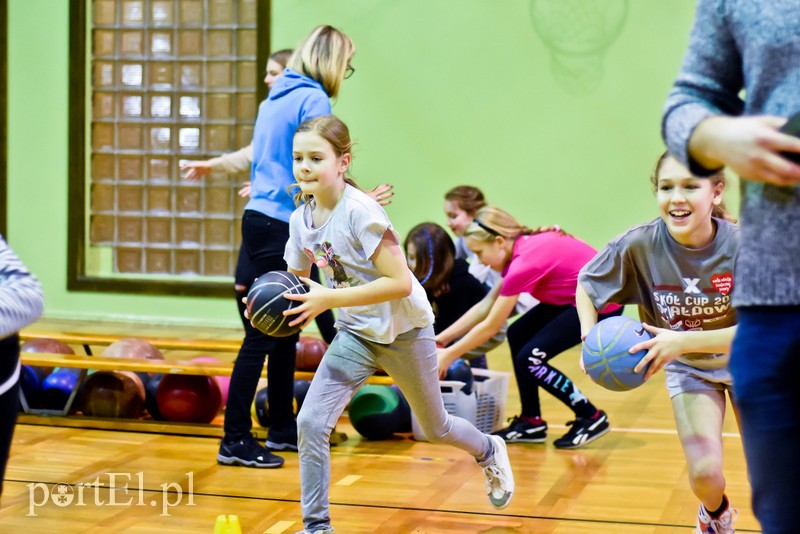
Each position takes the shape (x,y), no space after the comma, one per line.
(9,401)
(263,244)
(544,332)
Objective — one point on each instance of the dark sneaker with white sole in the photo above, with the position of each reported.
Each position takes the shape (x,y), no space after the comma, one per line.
(583,431)
(523,431)
(282,439)
(248,453)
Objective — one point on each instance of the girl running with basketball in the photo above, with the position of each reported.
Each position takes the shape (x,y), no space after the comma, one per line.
(679,270)
(314,74)
(543,262)
(384,319)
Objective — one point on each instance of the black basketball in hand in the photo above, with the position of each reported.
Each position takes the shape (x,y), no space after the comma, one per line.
(266,303)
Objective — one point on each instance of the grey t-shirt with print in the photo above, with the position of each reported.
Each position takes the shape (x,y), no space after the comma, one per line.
(675,287)
(342,248)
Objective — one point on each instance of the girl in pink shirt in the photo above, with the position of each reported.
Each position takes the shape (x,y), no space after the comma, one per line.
(545,263)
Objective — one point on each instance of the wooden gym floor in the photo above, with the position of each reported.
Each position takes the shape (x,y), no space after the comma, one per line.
(632,481)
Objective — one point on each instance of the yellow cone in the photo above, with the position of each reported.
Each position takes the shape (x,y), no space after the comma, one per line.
(227,525)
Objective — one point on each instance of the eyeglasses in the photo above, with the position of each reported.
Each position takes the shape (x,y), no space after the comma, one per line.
(349,72)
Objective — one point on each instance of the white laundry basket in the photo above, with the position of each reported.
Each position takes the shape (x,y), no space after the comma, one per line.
(484,407)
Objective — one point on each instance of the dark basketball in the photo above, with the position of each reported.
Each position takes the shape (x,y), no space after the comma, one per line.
(260,406)
(460,371)
(266,304)
(300,392)
(150,401)
(31,379)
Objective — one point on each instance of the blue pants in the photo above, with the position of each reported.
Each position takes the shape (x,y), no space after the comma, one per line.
(765,364)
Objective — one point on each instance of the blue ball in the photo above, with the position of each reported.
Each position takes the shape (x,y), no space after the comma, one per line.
(606,357)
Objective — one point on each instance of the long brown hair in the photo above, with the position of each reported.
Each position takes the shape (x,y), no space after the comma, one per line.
(335,132)
(491,222)
(720,211)
(436,255)
(281,57)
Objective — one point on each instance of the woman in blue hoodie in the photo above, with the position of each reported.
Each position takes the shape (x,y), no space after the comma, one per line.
(313,76)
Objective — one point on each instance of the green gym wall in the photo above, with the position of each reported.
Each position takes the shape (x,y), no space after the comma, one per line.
(552,108)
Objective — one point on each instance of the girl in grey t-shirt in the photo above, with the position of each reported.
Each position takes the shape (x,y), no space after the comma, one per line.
(679,270)
(384,318)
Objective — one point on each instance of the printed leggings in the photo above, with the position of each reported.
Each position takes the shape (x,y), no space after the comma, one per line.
(544,332)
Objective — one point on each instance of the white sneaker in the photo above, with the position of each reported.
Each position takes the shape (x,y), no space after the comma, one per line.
(499,477)
(721,525)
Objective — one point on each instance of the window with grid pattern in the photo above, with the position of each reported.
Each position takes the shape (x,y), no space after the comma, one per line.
(164,81)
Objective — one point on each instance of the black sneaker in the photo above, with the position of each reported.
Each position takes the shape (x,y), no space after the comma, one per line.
(522,431)
(282,439)
(247,452)
(583,431)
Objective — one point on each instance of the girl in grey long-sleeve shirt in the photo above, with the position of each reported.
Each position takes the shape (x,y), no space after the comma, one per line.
(709,123)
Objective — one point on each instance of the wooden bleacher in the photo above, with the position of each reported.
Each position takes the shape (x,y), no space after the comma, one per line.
(87,361)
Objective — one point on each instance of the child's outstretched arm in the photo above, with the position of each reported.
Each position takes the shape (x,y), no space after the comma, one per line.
(473,316)
(668,345)
(501,309)
(395,283)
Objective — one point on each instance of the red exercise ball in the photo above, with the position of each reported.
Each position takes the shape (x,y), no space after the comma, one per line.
(310,351)
(133,348)
(112,394)
(223,382)
(189,399)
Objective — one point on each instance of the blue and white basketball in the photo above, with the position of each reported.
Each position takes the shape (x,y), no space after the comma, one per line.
(606,357)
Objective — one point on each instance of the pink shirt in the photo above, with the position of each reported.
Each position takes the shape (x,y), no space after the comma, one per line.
(546,265)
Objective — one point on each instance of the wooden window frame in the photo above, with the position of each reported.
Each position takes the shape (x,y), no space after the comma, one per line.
(77,279)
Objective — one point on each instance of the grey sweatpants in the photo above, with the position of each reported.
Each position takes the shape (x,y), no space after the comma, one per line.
(412,362)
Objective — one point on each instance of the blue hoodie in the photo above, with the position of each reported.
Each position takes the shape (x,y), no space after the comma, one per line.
(293,99)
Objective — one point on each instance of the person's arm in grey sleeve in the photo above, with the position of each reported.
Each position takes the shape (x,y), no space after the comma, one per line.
(21,299)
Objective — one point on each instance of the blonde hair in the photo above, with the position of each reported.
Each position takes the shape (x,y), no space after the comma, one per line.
(490,223)
(335,132)
(324,56)
(720,211)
